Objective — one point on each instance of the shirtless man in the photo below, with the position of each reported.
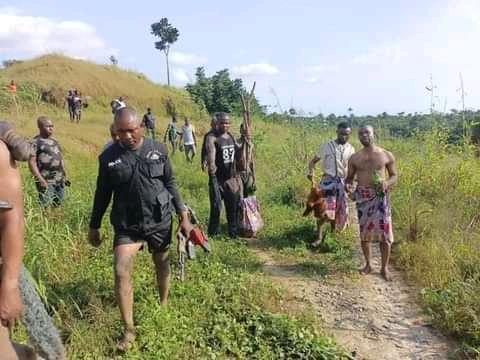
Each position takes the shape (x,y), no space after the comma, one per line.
(11,252)
(371,166)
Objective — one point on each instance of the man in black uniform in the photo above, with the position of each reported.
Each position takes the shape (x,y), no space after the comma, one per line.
(224,181)
(138,173)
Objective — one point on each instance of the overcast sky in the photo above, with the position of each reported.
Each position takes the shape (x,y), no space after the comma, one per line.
(319,56)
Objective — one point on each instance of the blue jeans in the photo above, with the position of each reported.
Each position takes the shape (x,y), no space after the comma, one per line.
(53,195)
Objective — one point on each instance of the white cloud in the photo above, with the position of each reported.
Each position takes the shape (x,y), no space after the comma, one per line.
(255,69)
(180,76)
(24,36)
(180,58)
(314,74)
(388,54)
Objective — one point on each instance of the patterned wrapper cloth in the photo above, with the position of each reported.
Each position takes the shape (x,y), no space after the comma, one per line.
(336,198)
(374,215)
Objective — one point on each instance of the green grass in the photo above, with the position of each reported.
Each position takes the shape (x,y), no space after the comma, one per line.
(226,308)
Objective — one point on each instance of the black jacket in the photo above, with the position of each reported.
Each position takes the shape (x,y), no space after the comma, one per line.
(143,187)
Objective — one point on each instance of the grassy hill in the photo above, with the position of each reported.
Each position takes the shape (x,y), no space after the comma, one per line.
(55,74)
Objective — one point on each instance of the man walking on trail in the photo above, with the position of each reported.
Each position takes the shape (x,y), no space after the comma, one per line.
(211,133)
(370,166)
(189,140)
(335,156)
(149,123)
(172,134)
(47,165)
(224,181)
(137,171)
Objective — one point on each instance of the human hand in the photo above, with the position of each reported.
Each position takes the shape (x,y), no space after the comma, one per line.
(94,237)
(185,224)
(10,304)
(310,177)
(43,183)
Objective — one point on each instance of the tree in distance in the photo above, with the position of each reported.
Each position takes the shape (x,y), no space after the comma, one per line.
(168,35)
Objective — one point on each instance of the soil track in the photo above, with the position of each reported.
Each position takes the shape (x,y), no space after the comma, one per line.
(371,318)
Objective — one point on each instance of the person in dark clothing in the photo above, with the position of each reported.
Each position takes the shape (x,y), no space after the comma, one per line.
(224,181)
(137,171)
(204,151)
(172,133)
(69,102)
(149,123)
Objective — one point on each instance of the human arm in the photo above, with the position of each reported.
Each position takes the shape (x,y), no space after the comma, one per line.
(19,148)
(194,136)
(311,166)
(103,195)
(32,164)
(391,167)
(180,208)
(352,170)
(11,239)
(211,154)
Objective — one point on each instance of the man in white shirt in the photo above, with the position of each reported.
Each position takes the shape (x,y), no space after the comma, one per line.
(189,140)
(334,155)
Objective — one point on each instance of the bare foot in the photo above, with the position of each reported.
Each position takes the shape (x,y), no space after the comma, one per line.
(386,275)
(127,341)
(317,243)
(367,269)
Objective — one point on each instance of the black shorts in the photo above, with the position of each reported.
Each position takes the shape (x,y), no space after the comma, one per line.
(158,241)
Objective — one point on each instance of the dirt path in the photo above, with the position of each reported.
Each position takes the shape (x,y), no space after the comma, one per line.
(371,318)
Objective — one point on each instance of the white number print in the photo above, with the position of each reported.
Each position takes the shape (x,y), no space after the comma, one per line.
(228,154)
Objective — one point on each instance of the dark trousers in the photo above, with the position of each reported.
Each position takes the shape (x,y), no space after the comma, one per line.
(219,192)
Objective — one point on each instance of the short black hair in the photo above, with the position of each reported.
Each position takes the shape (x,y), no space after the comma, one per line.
(221,115)
(344,125)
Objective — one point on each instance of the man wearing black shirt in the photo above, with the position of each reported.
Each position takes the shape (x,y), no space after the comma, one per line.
(138,173)
(224,181)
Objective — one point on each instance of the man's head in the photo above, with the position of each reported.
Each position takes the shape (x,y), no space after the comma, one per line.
(45,126)
(128,128)
(75,92)
(120,98)
(70,92)
(187,121)
(366,135)
(149,110)
(223,122)
(174,118)
(343,132)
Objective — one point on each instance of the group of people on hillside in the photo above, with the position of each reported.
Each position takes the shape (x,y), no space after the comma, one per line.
(135,171)
(75,105)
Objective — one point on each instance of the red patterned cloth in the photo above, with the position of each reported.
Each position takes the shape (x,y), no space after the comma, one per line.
(374,215)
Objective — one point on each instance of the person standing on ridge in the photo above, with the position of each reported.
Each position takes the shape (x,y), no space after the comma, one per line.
(334,155)
(189,139)
(47,165)
(149,123)
(138,173)
(370,166)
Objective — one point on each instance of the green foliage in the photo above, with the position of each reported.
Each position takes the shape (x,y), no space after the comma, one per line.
(168,35)
(219,92)
(226,308)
